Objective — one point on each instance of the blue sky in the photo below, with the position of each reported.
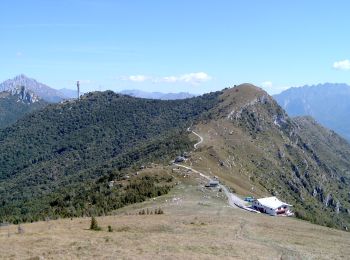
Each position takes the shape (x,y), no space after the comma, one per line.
(170,46)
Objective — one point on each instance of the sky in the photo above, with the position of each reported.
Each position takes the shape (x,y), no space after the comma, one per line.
(194,46)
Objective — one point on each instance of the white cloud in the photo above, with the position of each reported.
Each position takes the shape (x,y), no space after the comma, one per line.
(195,78)
(168,79)
(189,78)
(267,84)
(135,78)
(342,65)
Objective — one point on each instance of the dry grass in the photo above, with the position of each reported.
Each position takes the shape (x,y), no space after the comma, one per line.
(218,145)
(196,224)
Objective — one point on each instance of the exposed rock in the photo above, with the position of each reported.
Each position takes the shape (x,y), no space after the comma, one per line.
(24,95)
(280,154)
(327,199)
(295,169)
(337,207)
(279,120)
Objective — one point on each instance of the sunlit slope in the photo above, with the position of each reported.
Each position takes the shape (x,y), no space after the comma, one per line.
(254,146)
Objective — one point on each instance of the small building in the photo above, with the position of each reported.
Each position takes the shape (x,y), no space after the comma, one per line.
(212,184)
(179,159)
(272,206)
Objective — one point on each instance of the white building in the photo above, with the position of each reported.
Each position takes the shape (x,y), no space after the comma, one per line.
(272,206)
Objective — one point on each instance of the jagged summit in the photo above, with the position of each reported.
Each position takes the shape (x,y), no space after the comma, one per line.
(43,91)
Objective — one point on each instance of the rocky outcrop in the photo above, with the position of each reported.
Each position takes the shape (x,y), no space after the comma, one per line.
(24,95)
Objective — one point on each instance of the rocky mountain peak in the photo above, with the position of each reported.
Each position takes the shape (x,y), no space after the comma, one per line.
(41,90)
(246,101)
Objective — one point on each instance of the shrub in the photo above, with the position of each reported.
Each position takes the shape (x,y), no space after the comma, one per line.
(94,224)
(159,211)
(110,229)
(20,229)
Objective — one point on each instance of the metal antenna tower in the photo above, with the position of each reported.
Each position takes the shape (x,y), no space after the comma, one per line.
(78,88)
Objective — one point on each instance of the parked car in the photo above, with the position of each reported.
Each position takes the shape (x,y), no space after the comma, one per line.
(249,199)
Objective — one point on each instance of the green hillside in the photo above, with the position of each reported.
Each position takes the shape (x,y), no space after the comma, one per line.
(65,147)
(12,109)
(59,160)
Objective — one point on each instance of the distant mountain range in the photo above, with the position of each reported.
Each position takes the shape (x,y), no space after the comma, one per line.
(43,91)
(56,95)
(156,95)
(328,103)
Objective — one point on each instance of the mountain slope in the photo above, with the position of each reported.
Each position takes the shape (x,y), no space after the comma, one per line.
(327,103)
(64,146)
(156,95)
(61,167)
(43,91)
(256,148)
(17,103)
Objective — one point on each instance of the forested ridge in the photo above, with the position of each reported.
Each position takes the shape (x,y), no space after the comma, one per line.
(71,145)
(13,109)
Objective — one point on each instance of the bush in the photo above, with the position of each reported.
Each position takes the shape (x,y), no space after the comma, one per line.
(159,211)
(110,229)
(20,229)
(94,224)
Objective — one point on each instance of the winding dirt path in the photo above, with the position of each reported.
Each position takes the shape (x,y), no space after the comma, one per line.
(233,200)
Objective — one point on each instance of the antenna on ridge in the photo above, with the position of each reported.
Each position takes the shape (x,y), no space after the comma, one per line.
(78,88)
